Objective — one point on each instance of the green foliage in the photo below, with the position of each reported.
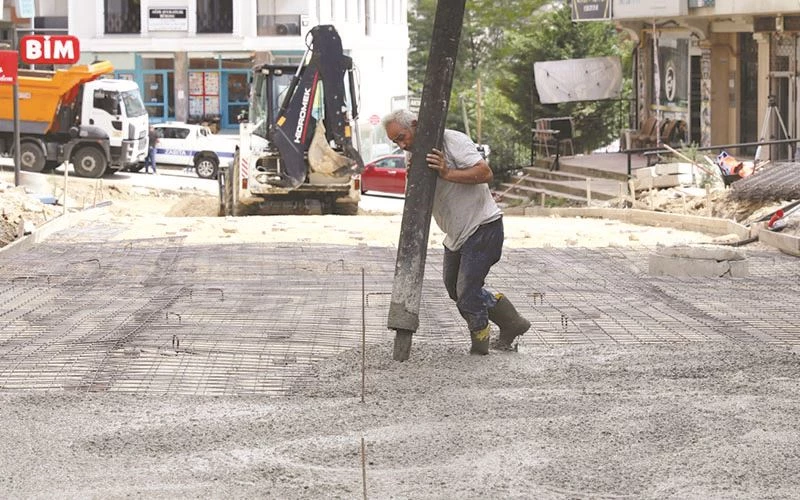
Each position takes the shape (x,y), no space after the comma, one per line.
(500,41)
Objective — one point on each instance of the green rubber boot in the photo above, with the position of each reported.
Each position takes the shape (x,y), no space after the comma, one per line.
(511,324)
(480,341)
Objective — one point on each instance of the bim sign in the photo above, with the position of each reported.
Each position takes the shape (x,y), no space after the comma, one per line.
(50,49)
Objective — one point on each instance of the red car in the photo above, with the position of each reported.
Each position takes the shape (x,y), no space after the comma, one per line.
(386,174)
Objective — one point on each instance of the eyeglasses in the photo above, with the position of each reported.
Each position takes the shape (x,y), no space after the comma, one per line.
(398,138)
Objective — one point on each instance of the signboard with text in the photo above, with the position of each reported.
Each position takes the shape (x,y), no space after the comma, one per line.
(8,67)
(591,10)
(167,20)
(629,9)
(50,49)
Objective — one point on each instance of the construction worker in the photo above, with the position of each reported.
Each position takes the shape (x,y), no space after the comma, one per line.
(465,211)
(150,160)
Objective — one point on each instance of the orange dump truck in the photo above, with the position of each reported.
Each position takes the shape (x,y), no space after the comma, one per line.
(76,115)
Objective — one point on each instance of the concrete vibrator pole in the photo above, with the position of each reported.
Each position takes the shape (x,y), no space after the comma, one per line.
(421,184)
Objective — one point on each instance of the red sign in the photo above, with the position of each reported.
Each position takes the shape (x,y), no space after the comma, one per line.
(8,66)
(50,49)
(374,119)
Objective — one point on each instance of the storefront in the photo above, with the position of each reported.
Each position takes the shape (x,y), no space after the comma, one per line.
(216,88)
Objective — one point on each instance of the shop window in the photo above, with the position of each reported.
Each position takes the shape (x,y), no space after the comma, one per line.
(215,16)
(278,18)
(123,16)
(204,96)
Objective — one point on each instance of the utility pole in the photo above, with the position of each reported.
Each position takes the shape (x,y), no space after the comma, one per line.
(415,227)
(15,98)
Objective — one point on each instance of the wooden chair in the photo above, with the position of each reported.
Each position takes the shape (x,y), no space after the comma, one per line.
(645,136)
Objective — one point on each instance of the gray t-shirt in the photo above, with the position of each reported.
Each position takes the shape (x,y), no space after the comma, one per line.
(460,208)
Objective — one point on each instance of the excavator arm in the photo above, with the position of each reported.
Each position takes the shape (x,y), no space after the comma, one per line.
(320,78)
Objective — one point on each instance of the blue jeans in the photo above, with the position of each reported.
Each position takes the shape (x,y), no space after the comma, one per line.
(150,161)
(465,270)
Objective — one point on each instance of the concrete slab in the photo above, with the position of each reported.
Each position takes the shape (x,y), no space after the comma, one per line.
(708,225)
(786,243)
(666,265)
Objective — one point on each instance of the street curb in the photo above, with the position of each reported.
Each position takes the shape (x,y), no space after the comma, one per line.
(47,229)
(709,225)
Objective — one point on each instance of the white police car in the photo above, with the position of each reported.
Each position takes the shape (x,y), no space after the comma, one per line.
(195,146)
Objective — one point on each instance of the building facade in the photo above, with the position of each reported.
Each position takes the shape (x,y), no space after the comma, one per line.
(728,68)
(192,58)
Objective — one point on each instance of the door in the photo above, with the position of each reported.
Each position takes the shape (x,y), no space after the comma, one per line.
(156,95)
(389,175)
(748,91)
(236,92)
(173,145)
(106,111)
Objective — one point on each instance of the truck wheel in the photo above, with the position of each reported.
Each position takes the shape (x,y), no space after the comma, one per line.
(32,158)
(89,162)
(206,166)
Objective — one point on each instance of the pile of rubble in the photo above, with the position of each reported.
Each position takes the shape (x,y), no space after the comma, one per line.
(21,213)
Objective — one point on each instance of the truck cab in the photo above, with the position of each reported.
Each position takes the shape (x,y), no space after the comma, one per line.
(116,107)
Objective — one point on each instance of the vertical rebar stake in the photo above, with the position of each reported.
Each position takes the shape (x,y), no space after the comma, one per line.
(364,467)
(363,337)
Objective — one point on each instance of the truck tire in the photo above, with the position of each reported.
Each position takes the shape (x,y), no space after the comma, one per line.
(89,162)
(32,158)
(206,166)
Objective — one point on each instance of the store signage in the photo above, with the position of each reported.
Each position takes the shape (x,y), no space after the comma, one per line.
(649,9)
(8,67)
(167,20)
(50,49)
(591,10)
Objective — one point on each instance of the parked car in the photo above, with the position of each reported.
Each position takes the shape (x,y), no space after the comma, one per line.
(195,146)
(386,174)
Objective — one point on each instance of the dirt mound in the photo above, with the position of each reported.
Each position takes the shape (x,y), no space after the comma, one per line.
(21,213)
(194,206)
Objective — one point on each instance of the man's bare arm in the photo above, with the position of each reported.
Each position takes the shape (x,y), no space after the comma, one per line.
(480,173)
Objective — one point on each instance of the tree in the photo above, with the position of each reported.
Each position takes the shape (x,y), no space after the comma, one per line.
(500,41)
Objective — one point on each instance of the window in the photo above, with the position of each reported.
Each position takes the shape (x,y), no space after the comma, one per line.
(278,18)
(215,16)
(123,16)
(391,163)
(173,133)
(107,101)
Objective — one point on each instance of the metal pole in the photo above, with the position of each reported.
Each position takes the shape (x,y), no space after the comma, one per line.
(412,248)
(17,158)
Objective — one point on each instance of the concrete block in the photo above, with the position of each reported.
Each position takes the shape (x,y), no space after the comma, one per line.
(675,168)
(663,181)
(644,172)
(664,265)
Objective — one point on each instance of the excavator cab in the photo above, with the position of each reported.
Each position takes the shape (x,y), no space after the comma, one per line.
(305,113)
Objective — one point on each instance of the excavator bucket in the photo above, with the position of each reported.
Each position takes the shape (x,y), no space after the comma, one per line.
(324,160)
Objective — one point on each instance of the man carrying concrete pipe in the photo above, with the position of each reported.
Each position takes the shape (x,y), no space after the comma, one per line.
(465,211)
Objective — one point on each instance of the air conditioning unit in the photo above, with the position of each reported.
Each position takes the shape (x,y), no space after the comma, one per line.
(284,29)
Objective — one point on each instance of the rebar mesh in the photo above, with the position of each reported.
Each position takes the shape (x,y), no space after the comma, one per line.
(157,316)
